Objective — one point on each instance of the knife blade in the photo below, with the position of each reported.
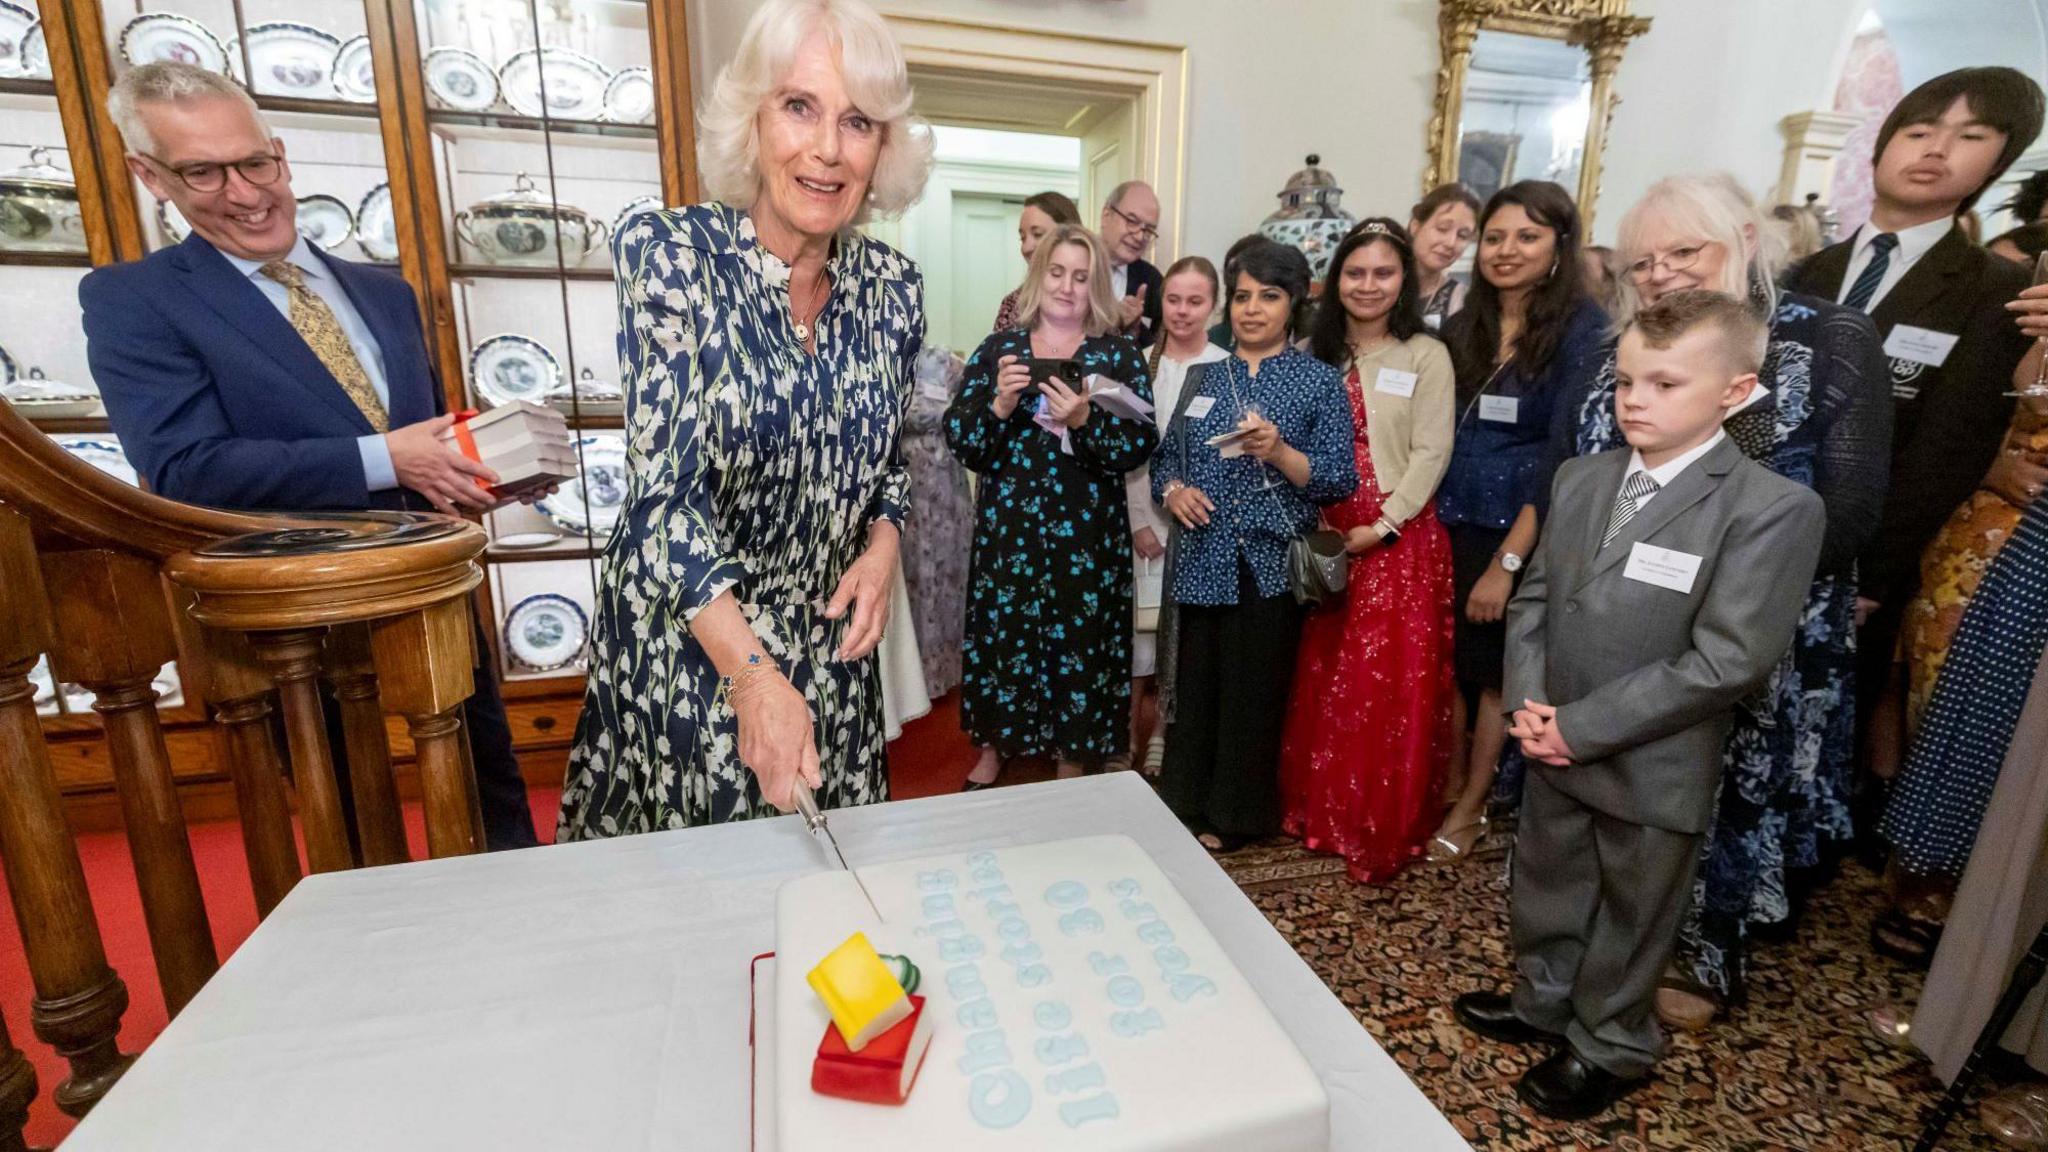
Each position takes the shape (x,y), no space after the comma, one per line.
(814,823)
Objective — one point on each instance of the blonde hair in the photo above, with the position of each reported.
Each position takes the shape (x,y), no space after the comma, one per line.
(169,82)
(1709,207)
(1102,315)
(729,141)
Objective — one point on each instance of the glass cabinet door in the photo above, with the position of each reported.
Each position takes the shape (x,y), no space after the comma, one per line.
(543,133)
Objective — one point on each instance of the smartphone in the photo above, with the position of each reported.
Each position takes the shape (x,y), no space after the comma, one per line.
(1067,372)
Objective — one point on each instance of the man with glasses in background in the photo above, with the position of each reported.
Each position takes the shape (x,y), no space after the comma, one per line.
(1130,223)
(246,369)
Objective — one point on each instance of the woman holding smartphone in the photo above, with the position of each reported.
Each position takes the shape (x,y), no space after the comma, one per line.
(1051,415)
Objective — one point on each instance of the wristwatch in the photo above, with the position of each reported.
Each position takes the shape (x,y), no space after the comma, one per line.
(1509,562)
(1388,533)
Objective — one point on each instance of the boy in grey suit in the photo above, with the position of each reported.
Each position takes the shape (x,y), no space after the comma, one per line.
(1667,586)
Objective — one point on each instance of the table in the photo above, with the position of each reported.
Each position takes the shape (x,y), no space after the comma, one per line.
(594,995)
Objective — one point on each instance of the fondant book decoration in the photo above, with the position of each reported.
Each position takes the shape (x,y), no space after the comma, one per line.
(883,1071)
(860,991)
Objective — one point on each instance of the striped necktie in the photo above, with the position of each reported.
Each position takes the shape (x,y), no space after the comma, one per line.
(1634,491)
(314,320)
(1881,246)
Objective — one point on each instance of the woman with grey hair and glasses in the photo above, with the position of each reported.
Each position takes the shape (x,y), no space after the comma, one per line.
(1820,414)
(768,350)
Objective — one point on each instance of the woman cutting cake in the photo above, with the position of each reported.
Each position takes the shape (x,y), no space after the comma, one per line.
(768,351)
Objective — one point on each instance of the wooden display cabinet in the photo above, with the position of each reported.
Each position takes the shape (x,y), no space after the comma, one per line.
(435,161)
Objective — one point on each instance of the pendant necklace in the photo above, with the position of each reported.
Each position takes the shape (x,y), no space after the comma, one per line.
(803,328)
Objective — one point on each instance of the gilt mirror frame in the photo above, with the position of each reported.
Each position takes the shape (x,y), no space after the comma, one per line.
(1602,27)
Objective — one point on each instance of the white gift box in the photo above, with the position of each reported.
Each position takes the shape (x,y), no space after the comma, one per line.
(526,444)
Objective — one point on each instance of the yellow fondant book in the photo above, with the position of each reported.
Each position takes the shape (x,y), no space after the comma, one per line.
(860,991)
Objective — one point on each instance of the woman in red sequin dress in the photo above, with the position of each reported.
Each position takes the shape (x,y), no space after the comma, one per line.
(1368,733)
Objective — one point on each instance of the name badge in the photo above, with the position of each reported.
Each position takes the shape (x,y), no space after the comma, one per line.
(1199,407)
(1502,409)
(1432,321)
(1919,345)
(1395,382)
(1662,567)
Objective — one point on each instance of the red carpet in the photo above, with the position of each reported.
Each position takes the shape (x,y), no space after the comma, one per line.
(931,757)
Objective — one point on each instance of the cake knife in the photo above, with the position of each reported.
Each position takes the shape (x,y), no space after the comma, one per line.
(814,822)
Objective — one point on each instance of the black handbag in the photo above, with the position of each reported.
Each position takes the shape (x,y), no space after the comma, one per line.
(1317,566)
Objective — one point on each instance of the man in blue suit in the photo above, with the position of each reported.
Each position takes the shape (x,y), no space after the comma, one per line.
(247,369)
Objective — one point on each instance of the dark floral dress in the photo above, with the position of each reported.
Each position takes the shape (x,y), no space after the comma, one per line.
(1786,773)
(1048,655)
(941,522)
(755,468)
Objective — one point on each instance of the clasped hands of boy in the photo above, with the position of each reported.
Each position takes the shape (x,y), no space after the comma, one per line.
(1535,725)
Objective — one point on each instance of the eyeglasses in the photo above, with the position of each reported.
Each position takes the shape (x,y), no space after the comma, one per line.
(1147,231)
(260,169)
(1676,260)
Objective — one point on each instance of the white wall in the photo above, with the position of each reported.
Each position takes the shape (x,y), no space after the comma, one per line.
(1353,80)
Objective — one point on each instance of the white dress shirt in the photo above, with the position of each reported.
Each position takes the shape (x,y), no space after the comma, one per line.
(1668,471)
(1165,399)
(1913,244)
(1119,281)
(378,474)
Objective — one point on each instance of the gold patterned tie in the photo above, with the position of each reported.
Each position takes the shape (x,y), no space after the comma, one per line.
(315,321)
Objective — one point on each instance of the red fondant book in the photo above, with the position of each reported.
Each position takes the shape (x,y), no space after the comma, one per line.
(882,1071)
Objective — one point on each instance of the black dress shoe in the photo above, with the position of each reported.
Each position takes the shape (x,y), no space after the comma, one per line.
(1566,1087)
(1492,1015)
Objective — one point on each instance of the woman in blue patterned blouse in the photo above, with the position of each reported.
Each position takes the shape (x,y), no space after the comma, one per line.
(768,351)
(1048,660)
(1524,348)
(1261,442)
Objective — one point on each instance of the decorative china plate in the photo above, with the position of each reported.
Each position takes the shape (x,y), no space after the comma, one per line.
(15,24)
(35,53)
(102,453)
(629,98)
(9,370)
(161,36)
(593,500)
(325,221)
(635,207)
(575,84)
(546,632)
(519,541)
(459,79)
(376,227)
(288,58)
(355,80)
(510,367)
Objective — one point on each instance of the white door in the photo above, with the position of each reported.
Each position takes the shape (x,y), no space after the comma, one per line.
(984,264)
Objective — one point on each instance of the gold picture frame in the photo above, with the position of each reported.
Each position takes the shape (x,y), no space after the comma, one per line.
(1602,27)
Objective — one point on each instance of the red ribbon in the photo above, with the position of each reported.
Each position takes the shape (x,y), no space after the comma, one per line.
(467,443)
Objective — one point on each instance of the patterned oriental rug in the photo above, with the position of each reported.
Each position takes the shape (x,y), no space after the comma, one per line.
(1795,1069)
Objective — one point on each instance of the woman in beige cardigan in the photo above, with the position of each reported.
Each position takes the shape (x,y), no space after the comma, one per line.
(1369,727)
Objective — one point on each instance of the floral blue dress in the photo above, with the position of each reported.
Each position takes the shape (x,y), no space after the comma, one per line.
(755,468)
(1786,773)
(1048,660)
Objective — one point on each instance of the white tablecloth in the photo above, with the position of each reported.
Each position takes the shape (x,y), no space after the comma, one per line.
(594,996)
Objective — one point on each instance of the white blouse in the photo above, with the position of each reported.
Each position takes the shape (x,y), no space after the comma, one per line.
(1165,398)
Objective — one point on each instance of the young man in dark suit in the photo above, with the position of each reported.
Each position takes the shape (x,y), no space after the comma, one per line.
(1130,223)
(1667,586)
(1939,304)
(246,369)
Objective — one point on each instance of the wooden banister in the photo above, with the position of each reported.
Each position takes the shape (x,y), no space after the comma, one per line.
(112,583)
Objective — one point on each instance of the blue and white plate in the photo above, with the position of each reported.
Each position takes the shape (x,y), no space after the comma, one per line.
(325,221)
(546,632)
(355,78)
(35,53)
(156,37)
(512,367)
(629,97)
(15,23)
(288,58)
(103,453)
(575,84)
(459,79)
(377,226)
(634,207)
(593,500)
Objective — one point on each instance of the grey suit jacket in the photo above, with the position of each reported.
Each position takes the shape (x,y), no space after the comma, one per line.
(1645,678)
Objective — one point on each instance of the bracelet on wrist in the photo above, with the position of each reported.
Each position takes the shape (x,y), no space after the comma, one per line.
(749,679)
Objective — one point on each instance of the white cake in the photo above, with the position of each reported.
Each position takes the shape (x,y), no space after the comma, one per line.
(1078,1003)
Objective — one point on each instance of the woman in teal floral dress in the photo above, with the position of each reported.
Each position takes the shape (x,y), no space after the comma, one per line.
(1048,660)
(768,354)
